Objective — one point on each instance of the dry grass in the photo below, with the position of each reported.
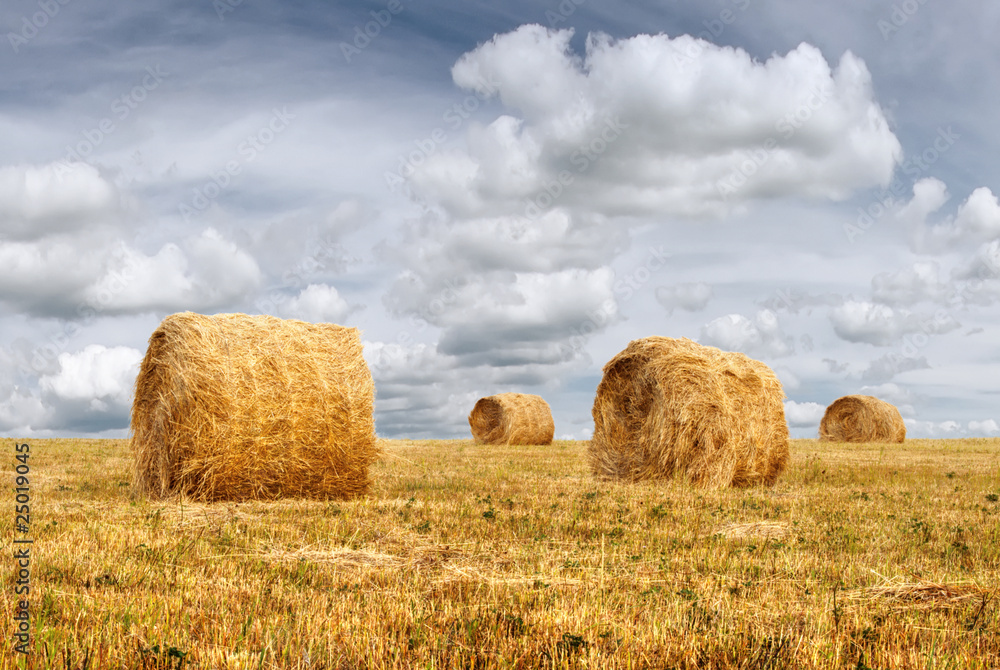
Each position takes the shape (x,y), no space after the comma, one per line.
(476,556)
(234,407)
(512,418)
(862,418)
(674,408)
(764,530)
(899,592)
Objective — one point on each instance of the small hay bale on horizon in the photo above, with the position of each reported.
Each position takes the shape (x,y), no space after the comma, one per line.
(238,407)
(512,418)
(674,408)
(861,418)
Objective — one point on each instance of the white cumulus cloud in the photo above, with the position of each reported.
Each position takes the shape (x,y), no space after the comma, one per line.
(976,220)
(932,429)
(803,413)
(95,373)
(36,201)
(979,215)
(889,391)
(881,325)
(526,319)
(887,366)
(892,393)
(919,283)
(653,124)
(988,427)
(317,303)
(762,336)
(208,272)
(692,296)
(859,321)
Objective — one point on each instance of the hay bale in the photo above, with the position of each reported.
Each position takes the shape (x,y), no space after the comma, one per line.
(861,418)
(674,408)
(235,407)
(512,418)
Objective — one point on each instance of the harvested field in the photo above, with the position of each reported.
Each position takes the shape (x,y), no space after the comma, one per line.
(466,555)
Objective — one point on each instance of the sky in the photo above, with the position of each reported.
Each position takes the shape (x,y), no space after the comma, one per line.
(502,197)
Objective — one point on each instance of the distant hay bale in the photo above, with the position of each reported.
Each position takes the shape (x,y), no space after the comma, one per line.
(512,418)
(236,407)
(674,408)
(862,418)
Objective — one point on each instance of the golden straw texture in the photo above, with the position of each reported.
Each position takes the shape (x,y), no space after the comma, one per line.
(862,418)
(512,418)
(235,407)
(674,408)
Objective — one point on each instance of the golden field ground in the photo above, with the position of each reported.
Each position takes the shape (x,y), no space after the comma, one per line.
(467,556)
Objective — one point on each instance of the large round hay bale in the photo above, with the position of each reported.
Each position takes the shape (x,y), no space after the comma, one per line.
(862,418)
(674,408)
(235,407)
(512,418)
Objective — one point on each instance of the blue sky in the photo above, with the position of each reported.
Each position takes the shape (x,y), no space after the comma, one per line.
(501,198)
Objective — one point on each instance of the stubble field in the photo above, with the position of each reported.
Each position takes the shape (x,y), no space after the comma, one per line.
(470,556)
